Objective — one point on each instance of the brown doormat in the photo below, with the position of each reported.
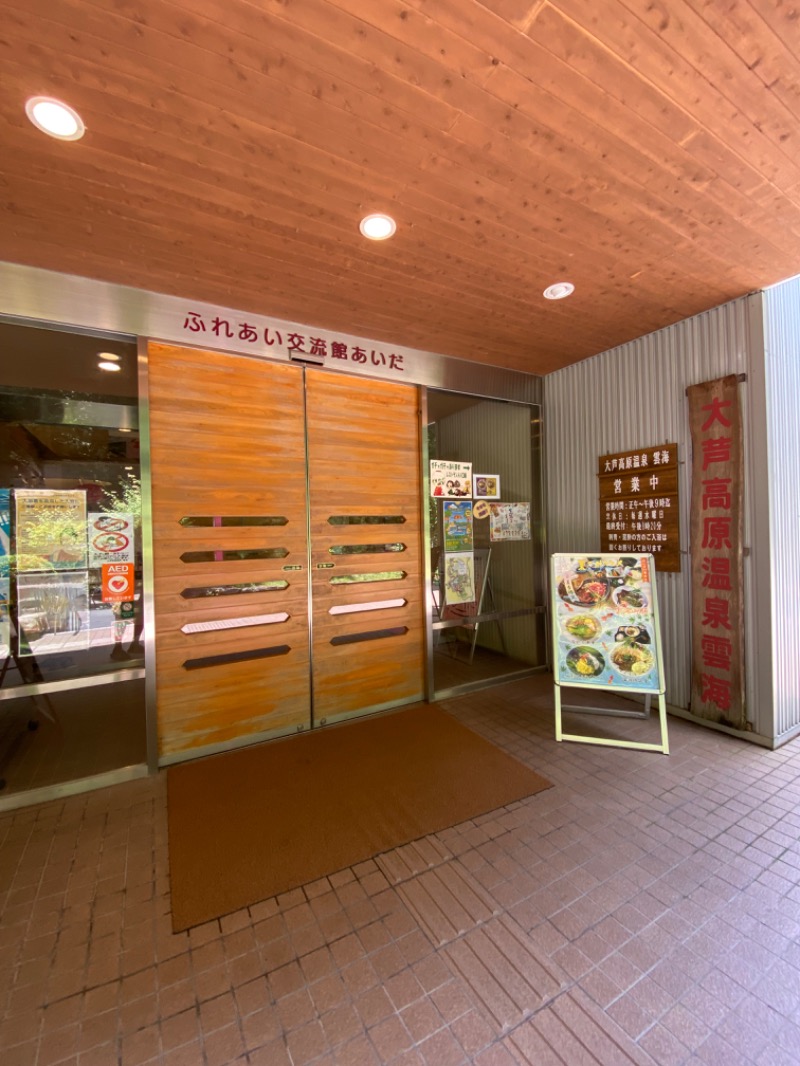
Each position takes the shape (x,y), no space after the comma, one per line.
(250,824)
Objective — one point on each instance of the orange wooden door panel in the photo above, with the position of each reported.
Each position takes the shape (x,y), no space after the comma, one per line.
(363,449)
(227,441)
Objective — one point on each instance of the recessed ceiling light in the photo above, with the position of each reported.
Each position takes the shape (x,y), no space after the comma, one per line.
(377,227)
(112,357)
(56,119)
(109,366)
(559,290)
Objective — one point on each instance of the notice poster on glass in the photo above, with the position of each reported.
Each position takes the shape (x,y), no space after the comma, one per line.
(486,486)
(509,521)
(51,529)
(111,538)
(457,526)
(459,578)
(53,612)
(451,479)
(606,635)
(5,562)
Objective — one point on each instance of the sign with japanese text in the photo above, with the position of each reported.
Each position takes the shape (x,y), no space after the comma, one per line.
(110,538)
(639,504)
(51,529)
(118,582)
(457,525)
(716,548)
(281,339)
(509,521)
(605,622)
(451,478)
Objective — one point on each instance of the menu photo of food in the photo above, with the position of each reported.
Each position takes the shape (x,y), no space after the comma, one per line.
(604,622)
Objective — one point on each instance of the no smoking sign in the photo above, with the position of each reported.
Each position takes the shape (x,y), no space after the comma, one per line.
(117,582)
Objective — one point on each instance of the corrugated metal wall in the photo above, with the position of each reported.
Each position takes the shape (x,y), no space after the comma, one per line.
(634,396)
(782,342)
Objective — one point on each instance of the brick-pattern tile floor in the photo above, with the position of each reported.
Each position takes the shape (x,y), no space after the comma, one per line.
(645,909)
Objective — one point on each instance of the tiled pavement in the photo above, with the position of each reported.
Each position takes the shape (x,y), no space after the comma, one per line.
(644,909)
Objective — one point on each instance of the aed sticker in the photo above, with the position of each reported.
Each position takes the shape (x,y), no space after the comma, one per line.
(117,582)
(480,509)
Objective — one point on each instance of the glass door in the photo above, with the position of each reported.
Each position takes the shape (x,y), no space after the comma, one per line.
(487,602)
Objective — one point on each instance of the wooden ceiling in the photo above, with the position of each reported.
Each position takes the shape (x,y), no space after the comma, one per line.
(645,151)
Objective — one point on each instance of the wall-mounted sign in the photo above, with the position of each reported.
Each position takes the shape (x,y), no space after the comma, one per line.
(606,631)
(716,532)
(118,582)
(481,509)
(111,538)
(457,523)
(451,479)
(509,521)
(639,504)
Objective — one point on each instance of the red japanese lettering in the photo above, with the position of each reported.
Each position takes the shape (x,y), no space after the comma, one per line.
(717,574)
(716,450)
(716,614)
(717,532)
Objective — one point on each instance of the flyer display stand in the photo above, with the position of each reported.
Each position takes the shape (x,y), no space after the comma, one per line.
(606,637)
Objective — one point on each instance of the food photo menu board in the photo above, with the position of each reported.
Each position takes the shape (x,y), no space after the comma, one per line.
(606,636)
(605,623)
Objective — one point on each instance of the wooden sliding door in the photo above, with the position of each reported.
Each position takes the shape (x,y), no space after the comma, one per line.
(259,469)
(228,466)
(366,575)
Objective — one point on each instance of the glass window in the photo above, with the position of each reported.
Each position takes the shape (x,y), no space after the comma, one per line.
(70,557)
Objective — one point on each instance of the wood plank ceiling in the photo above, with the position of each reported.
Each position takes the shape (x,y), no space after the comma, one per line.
(645,151)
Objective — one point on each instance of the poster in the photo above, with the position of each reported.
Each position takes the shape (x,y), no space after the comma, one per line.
(509,521)
(51,529)
(459,578)
(486,486)
(53,612)
(451,479)
(716,540)
(457,526)
(605,622)
(111,538)
(5,562)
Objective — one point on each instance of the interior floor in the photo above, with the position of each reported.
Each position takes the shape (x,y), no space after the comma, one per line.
(64,736)
(644,909)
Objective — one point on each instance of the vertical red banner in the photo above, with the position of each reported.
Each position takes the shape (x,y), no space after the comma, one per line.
(716,547)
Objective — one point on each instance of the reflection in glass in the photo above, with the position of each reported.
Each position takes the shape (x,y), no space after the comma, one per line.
(365,549)
(366,519)
(228,556)
(364,579)
(234,520)
(70,501)
(245,587)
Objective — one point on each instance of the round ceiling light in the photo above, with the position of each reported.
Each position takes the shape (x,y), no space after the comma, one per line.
(54,118)
(377,227)
(110,357)
(559,290)
(105,365)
